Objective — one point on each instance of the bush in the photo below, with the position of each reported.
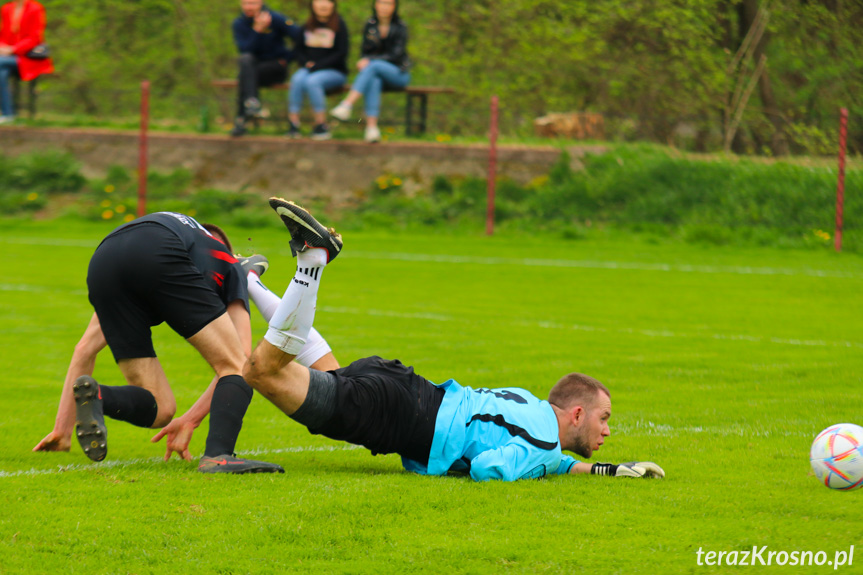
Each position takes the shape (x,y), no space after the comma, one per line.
(644,189)
(27,181)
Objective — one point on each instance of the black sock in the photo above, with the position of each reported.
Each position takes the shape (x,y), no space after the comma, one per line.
(128,403)
(231,398)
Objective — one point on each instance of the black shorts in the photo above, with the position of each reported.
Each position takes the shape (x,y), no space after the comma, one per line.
(385,407)
(142,276)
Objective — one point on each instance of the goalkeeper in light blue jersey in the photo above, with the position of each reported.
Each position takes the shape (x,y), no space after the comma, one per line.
(385,406)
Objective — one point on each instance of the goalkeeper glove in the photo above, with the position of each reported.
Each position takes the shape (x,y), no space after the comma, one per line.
(631,469)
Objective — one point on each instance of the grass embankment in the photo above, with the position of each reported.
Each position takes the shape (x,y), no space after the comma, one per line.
(646,190)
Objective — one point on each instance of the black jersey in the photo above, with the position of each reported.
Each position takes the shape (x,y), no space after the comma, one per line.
(164,267)
(220,268)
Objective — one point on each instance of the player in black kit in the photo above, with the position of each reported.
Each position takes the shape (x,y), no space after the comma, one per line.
(164,267)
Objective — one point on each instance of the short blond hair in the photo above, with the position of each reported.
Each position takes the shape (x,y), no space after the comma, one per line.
(576,389)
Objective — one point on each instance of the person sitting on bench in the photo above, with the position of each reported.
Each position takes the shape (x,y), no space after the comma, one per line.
(22,25)
(383,63)
(259,34)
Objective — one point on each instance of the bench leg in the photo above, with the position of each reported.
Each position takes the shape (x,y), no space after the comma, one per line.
(409,114)
(33,93)
(423,112)
(16,93)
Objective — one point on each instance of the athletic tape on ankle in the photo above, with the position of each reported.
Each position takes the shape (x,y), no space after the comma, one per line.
(287,342)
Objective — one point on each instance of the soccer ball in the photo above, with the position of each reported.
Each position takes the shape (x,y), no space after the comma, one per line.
(837,456)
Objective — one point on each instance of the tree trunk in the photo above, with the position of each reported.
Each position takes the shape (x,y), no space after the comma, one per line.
(779,141)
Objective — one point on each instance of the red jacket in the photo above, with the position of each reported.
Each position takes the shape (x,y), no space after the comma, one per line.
(25,38)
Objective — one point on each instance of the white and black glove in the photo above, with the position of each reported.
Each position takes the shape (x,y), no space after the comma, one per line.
(631,469)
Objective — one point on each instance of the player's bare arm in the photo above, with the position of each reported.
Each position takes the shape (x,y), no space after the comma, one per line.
(83,362)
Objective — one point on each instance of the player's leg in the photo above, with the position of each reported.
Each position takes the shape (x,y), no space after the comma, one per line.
(271,368)
(219,344)
(316,352)
(125,322)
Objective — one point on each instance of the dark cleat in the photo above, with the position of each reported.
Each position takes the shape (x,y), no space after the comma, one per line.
(306,231)
(90,423)
(257,264)
(231,464)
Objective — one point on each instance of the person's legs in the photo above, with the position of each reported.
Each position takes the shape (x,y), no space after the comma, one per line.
(144,375)
(369,84)
(271,368)
(383,75)
(219,344)
(247,81)
(295,95)
(8,64)
(271,72)
(316,353)
(382,405)
(319,83)
(317,86)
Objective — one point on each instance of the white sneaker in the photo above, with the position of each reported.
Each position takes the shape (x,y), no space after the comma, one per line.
(341,112)
(7,119)
(373,134)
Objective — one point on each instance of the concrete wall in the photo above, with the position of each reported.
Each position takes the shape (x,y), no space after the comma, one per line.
(274,165)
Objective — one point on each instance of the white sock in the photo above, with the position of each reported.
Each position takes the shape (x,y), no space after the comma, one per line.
(266,301)
(293,318)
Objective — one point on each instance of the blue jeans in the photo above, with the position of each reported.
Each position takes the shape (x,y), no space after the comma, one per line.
(8,64)
(314,85)
(379,74)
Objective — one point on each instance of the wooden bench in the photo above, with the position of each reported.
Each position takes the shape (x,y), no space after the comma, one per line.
(417,100)
(32,93)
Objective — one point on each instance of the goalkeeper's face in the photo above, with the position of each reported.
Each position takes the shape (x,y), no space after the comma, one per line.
(591,427)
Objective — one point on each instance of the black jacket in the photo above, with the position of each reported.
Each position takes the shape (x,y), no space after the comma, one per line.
(269,45)
(393,48)
(334,57)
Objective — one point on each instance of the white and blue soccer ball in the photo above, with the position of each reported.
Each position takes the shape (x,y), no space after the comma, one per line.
(837,456)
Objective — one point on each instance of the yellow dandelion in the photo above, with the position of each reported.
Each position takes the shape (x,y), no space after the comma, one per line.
(120,209)
(32,196)
(397,181)
(382,180)
(382,186)
(390,130)
(443,138)
(107,215)
(538,182)
(109,188)
(192,213)
(128,218)
(106,203)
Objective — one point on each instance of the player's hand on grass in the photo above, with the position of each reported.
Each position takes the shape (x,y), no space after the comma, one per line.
(179,434)
(54,442)
(631,469)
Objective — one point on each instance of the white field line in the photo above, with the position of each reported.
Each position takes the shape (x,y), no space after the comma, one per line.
(152,460)
(533,324)
(608,265)
(638,428)
(577,327)
(533,262)
(641,428)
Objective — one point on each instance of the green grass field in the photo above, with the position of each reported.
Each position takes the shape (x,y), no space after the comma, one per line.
(723,365)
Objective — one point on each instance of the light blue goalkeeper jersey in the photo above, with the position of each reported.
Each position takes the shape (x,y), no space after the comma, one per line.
(505,433)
